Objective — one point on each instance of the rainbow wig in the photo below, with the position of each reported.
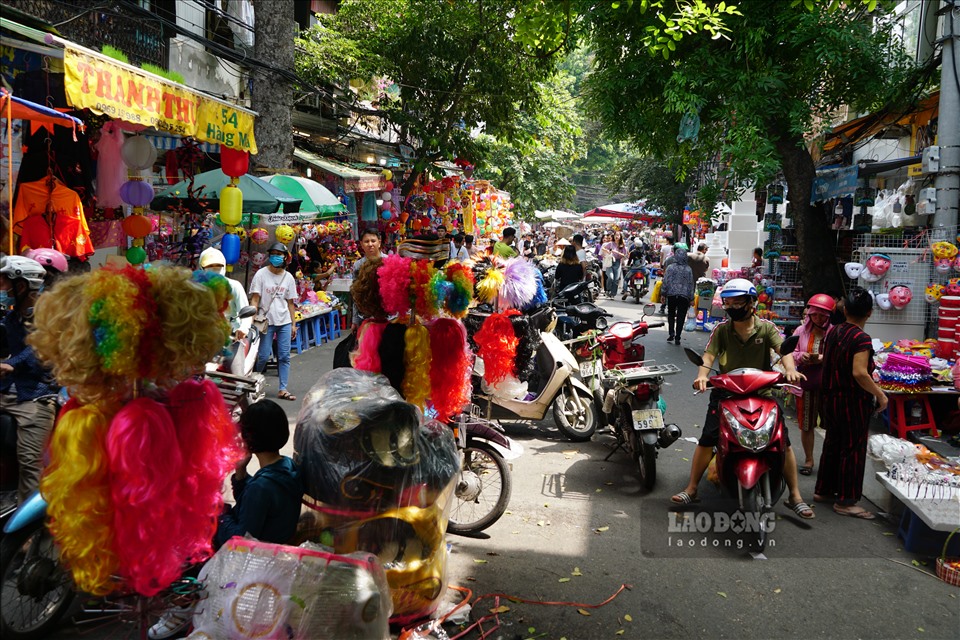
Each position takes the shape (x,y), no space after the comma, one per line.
(437,291)
(421,271)
(498,347)
(450,368)
(366,357)
(76,486)
(458,300)
(218,284)
(519,283)
(394,275)
(489,287)
(416,360)
(366,291)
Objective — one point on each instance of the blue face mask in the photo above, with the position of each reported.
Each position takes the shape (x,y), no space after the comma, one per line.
(6,300)
(276,261)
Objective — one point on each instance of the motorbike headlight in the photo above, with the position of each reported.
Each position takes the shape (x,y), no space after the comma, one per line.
(755,440)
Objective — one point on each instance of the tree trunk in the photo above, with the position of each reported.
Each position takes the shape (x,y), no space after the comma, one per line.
(272,96)
(816,242)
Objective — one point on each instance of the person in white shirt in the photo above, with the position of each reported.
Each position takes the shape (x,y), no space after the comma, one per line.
(272,292)
(458,251)
(211,259)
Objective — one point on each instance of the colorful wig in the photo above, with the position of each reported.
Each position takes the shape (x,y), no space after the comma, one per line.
(145,472)
(498,347)
(391,354)
(421,271)
(203,423)
(450,368)
(394,275)
(219,285)
(540,298)
(76,486)
(438,290)
(366,291)
(458,300)
(416,359)
(519,283)
(489,287)
(367,355)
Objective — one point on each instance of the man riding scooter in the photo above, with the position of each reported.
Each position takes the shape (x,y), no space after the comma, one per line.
(28,391)
(744,341)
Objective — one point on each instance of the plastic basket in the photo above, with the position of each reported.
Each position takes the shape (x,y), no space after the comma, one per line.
(945,572)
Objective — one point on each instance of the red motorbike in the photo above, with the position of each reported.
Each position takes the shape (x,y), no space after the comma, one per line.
(627,390)
(751,449)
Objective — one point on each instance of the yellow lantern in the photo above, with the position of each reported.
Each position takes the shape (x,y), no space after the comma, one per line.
(231,205)
(284,233)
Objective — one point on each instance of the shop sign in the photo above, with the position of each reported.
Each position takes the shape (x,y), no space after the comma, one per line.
(119,91)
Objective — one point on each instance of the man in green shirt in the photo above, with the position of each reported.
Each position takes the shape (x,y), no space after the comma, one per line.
(744,341)
(504,248)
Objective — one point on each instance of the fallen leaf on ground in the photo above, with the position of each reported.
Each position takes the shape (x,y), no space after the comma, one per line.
(570,452)
(609,484)
(599,490)
(921,629)
(501,609)
(547,505)
(915,563)
(540,523)
(777,590)
(888,533)
(514,532)
(583,612)
(576,572)
(620,632)
(531,630)
(564,580)
(479,561)
(721,594)
(602,529)
(685,459)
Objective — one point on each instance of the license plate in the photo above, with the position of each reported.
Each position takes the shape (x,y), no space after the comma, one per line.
(647,419)
(590,369)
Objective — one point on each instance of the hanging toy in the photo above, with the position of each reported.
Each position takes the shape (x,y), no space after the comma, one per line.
(883,301)
(943,265)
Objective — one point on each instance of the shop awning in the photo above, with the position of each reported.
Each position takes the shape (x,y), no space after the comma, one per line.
(623,211)
(259,196)
(353,179)
(315,198)
(20,109)
(872,124)
(124,92)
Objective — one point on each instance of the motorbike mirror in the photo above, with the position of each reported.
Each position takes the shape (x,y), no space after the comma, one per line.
(649,309)
(247,312)
(693,356)
(601,323)
(789,345)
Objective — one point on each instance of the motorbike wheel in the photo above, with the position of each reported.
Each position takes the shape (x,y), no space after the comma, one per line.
(575,415)
(483,489)
(753,503)
(35,590)
(645,456)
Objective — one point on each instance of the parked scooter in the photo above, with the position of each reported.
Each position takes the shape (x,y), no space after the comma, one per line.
(559,389)
(232,371)
(628,389)
(574,321)
(751,449)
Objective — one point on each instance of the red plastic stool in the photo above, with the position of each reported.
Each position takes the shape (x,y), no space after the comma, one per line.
(897,412)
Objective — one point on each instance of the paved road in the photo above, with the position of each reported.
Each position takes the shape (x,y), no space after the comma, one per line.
(578,528)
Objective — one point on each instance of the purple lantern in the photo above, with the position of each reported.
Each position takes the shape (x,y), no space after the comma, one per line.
(136,193)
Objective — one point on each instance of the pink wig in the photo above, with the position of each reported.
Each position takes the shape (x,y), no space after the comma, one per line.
(146,468)
(207,435)
(450,367)
(497,344)
(394,276)
(367,355)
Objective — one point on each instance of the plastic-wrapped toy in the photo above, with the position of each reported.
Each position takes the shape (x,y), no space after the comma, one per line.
(377,479)
(261,590)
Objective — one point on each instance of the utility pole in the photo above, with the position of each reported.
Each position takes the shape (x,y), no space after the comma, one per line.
(948,131)
(272,96)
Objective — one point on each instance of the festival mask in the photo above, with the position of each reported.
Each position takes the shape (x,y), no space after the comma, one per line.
(853,270)
(878,264)
(944,250)
(258,259)
(900,296)
(869,276)
(933,293)
(943,265)
(883,301)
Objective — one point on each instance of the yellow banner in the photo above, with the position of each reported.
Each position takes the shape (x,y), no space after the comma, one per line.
(106,87)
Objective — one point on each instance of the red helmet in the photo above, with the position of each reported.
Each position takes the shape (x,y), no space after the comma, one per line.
(822,301)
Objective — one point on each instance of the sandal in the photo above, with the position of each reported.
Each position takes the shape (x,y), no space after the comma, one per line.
(800,509)
(860,513)
(684,498)
(805,470)
(286,395)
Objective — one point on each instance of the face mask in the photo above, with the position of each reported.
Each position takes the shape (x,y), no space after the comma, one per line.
(276,261)
(740,314)
(6,300)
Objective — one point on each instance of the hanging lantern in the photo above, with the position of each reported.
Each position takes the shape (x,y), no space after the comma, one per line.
(231,205)
(259,235)
(136,255)
(230,247)
(137,193)
(138,153)
(137,226)
(284,233)
(234,163)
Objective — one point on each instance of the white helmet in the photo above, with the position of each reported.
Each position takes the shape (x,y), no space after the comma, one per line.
(738,287)
(21,267)
(211,256)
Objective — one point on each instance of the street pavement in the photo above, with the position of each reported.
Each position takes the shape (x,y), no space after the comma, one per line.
(578,528)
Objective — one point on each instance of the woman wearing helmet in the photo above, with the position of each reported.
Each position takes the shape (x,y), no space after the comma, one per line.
(272,292)
(212,259)
(742,341)
(27,390)
(54,262)
(809,359)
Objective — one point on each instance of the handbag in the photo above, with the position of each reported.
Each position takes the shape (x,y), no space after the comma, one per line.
(260,320)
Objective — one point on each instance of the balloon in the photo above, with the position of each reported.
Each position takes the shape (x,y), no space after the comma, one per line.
(136,193)
(387,214)
(138,153)
(385,206)
(388,186)
(231,205)
(136,255)
(404,217)
(230,246)
(387,174)
(386,196)
(284,233)
(234,163)
(137,227)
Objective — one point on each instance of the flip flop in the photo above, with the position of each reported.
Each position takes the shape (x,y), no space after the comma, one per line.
(801,508)
(805,470)
(684,498)
(286,395)
(862,514)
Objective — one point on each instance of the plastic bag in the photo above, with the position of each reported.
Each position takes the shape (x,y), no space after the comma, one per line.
(690,324)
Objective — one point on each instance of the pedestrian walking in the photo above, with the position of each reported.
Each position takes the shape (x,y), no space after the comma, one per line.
(846,406)
(612,256)
(677,287)
(272,292)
